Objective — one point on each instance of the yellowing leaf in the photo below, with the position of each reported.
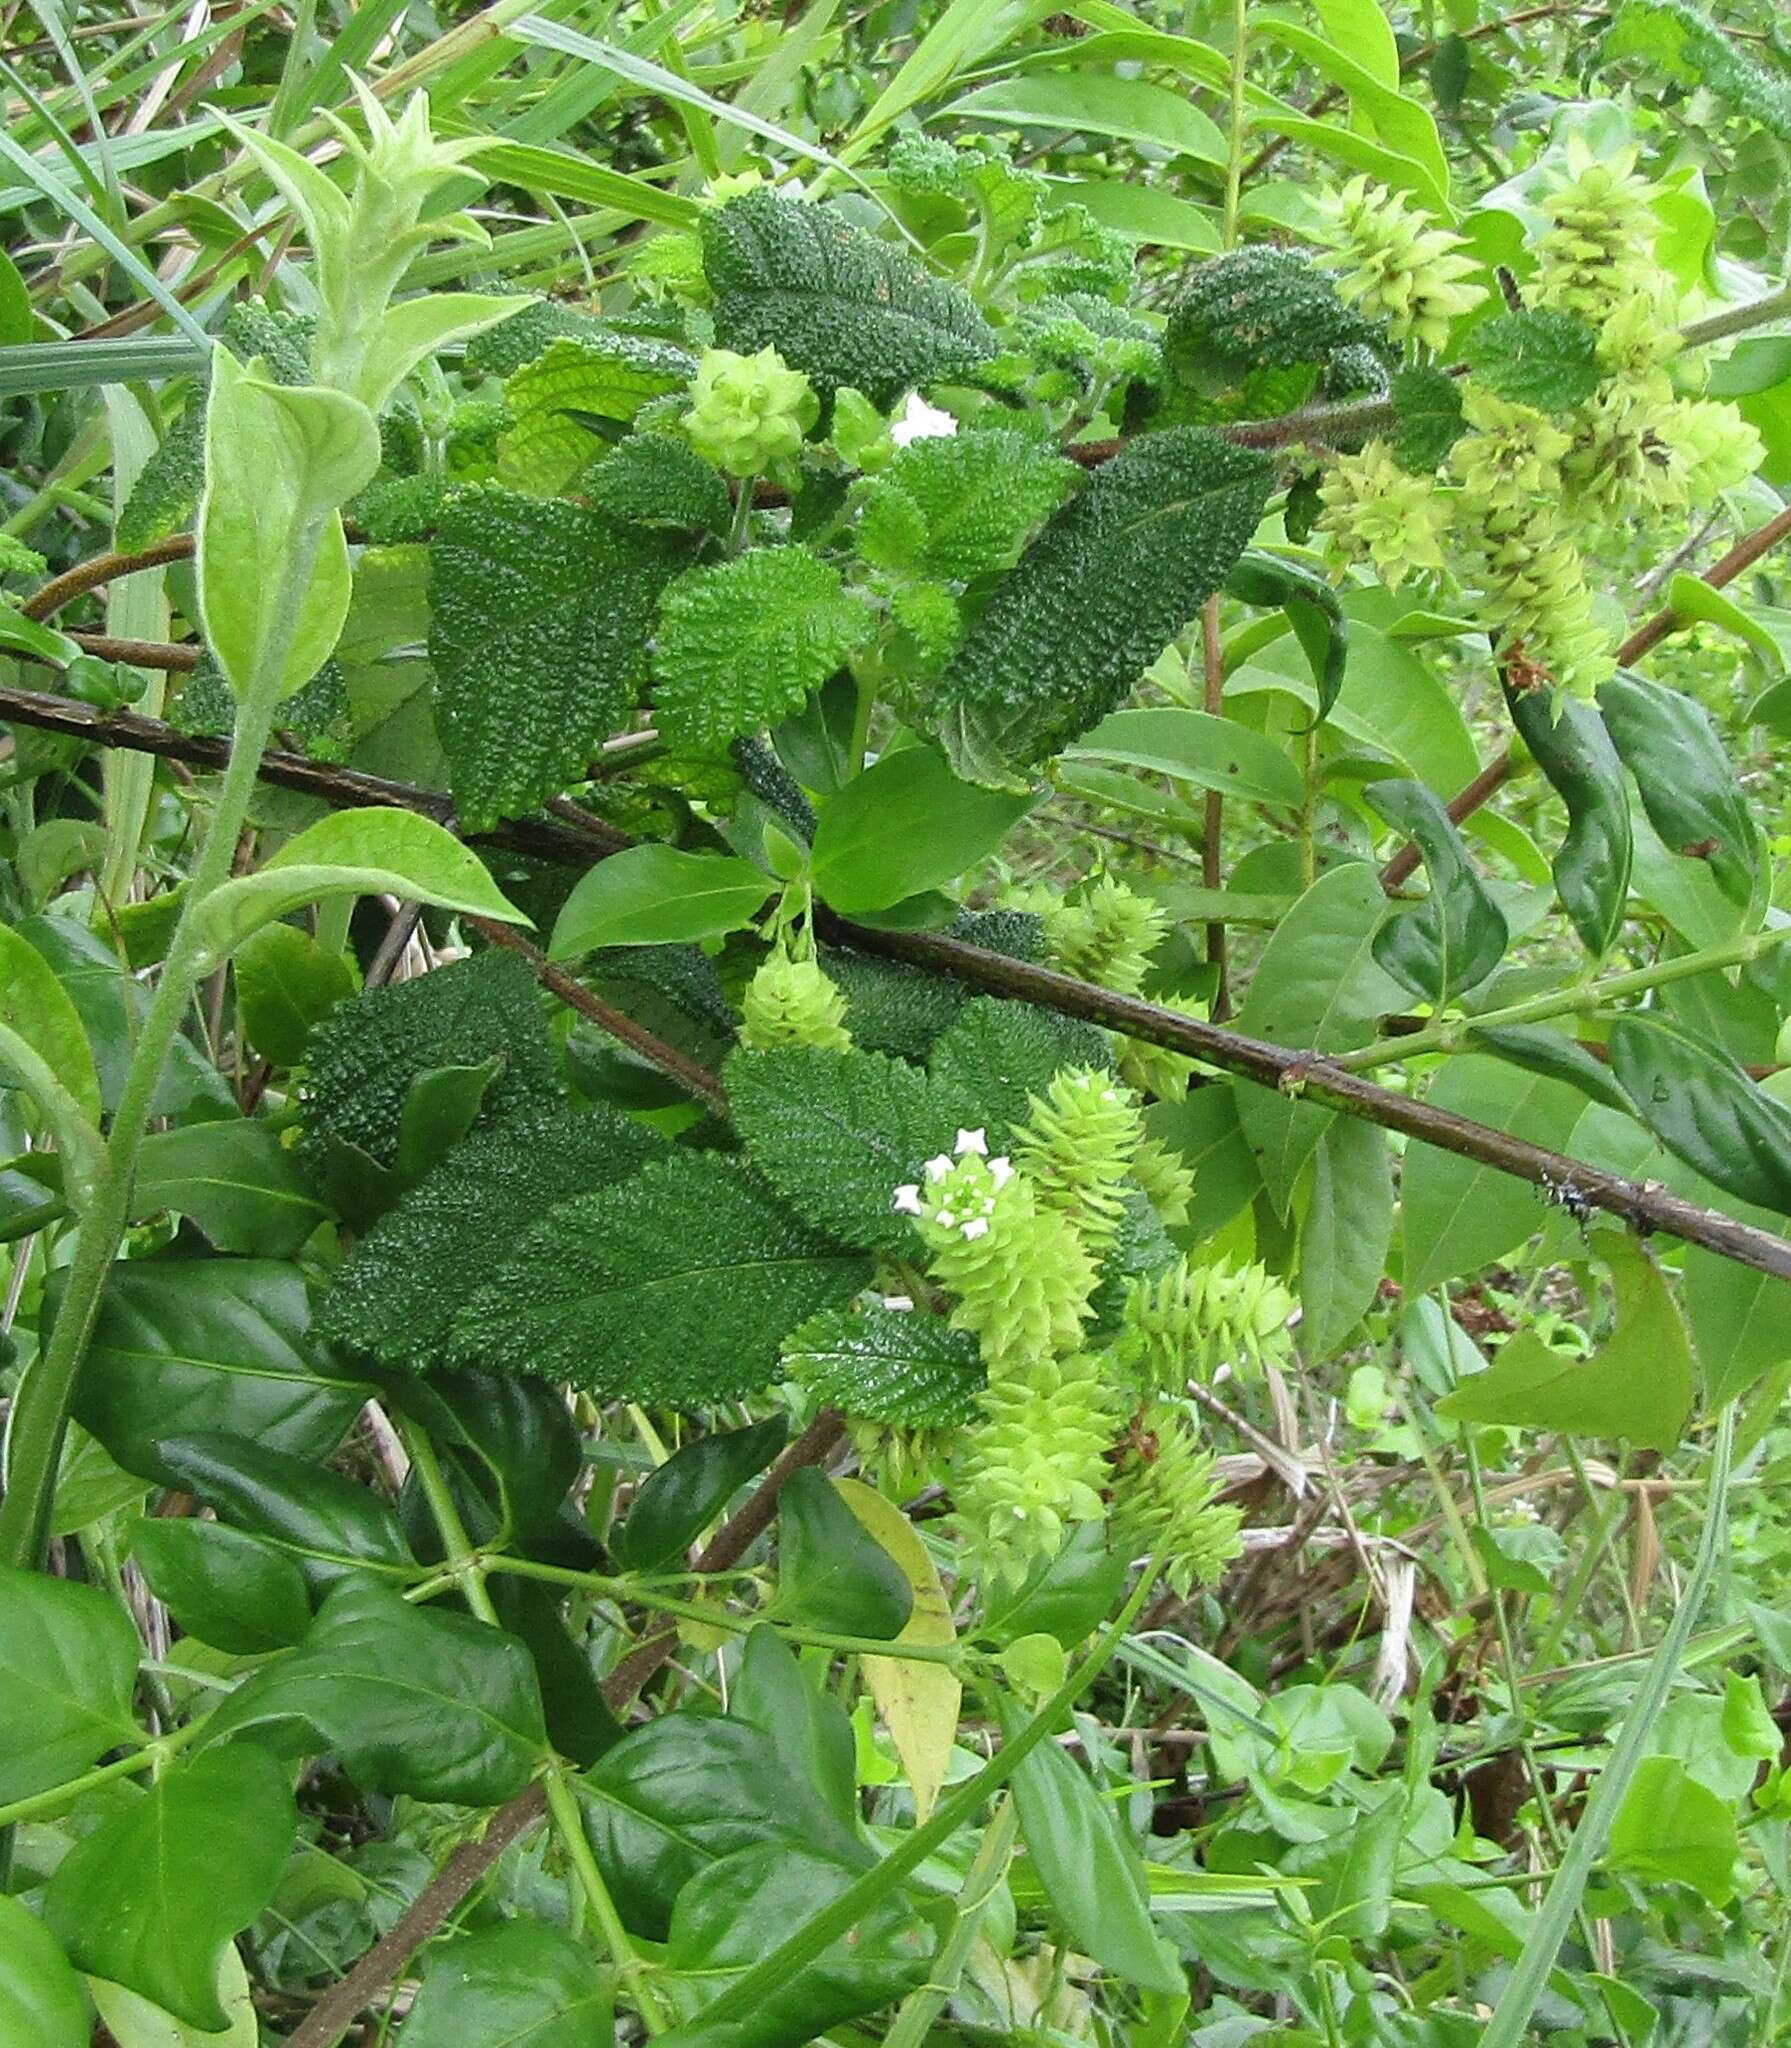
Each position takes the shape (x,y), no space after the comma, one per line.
(917,1698)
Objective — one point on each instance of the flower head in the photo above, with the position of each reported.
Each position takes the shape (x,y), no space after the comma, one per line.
(748,411)
(1396,266)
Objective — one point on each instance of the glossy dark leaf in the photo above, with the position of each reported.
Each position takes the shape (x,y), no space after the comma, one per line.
(1574,751)
(1687,782)
(801,1715)
(410,1698)
(1313,609)
(524,1985)
(439,1111)
(153,1896)
(1556,1056)
(1092,1874)
(1067,1598)
(235,1180)
(68,1666)
(1455,938)
(185,1347)
(831,1573)
(580,1722)
(42,2004)
(676,1502)
(235,1591)
(1701,1105)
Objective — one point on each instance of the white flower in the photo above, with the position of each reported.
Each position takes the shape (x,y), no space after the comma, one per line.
(900,1302)
(907,1199)
(978,1226)
(974,1141)
(945,1219)
(920,422)
(938,1166)
(1001,1170)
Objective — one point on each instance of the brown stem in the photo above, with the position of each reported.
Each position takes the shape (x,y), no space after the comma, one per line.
(175,658)
(1497,772)
(50,597)
(336,2011)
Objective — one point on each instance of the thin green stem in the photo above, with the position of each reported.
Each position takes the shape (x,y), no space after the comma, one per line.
(562,1808)
(919,2010)
(59,1798)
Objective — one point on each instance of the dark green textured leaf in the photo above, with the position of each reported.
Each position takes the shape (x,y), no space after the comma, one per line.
(520,339)
(165,495)
(747,642)
(153,1896)
(1457,936)
(228,1588)
(411,1699)
(675,1286)
(1689,47)
(1258,308)
(1427,417)
(906,825)
(831,1572)
(678,1500)
(397,1296)
(836,1133)
(68,1665)
(833,301)
(1686,779)
(1111,581)
(1545,359)
(902,1367)
(999,1053)
(686,1790)
(524,1985)
(555,402)
(540,617)
(364,1057)
(42,2004)
(961,505)
(1701,1105)
(184,1346)
(1574,751)
(658,480)
(891,1007)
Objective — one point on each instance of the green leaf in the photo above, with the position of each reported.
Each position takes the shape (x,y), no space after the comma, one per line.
(1458,935)
(68,1667)
(351,853)
(235,1180)
(1690,48)
(1687,781)
(1112,580)
(1542,358)
(222,1585)
(43,1045)
(746,643)
(1427,417)
(963,504)
(836,1133)
(1096,103)
(539,623)
(677,1286)
(553,399)
(1354,1868)
(1574,751)
(1344,1234)
(152,1897)
(416,328)
(412,1700)
(1196,747)
(832,1573)
(1313,609)
(1317,989)
(905,825)
(901,1367)
(1258,308)
(1556,1056)
(803,1716)
(1673,1830)
(658,480)
(42,2004)
(1701,1105)
(999,1054)
(833,301)
(1639,1384)
(524,1984)
(659,896)
(440,1107)
(678,1500)
(1092,1874)
(1460,1217)
(683,1791)
(397,1295)
(278,460)
(285,983)
(20,635)
(186,1346)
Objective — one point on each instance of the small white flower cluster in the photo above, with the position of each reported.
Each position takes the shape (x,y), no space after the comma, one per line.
(910,1200)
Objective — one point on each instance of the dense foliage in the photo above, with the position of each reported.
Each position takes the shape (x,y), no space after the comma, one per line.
(730,738)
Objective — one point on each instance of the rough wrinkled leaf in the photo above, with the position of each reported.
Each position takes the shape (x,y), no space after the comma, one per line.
(222,1585)
(659,480)
(524,1984)
(1000,1053)
(901,1367)
(1427,417)
(1115,576)
(540,617)
(1687,781)
(1541,358)
(520,339)
(832,1573)
(152,1898)
(411,1699)
(1259,307)
(576,380)
(677,1286)
(961,505)
(42,2004)
(1639,1384)
(744,644)
(68,1665)
(1574,751)
(836,1133)
(834,301)
(1701,1105)
(1690,47)
(397,1295)
(186,1346)
(1458,935)
(678,1500)
(166,493)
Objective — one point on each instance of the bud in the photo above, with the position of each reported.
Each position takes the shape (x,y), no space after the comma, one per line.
(793,1002)
(1398,268)
(748,411)
(1377,512)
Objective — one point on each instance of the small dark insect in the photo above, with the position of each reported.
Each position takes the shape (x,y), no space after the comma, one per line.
(1514,299)
(1702,849)
(1570,1198)
(1066,25)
